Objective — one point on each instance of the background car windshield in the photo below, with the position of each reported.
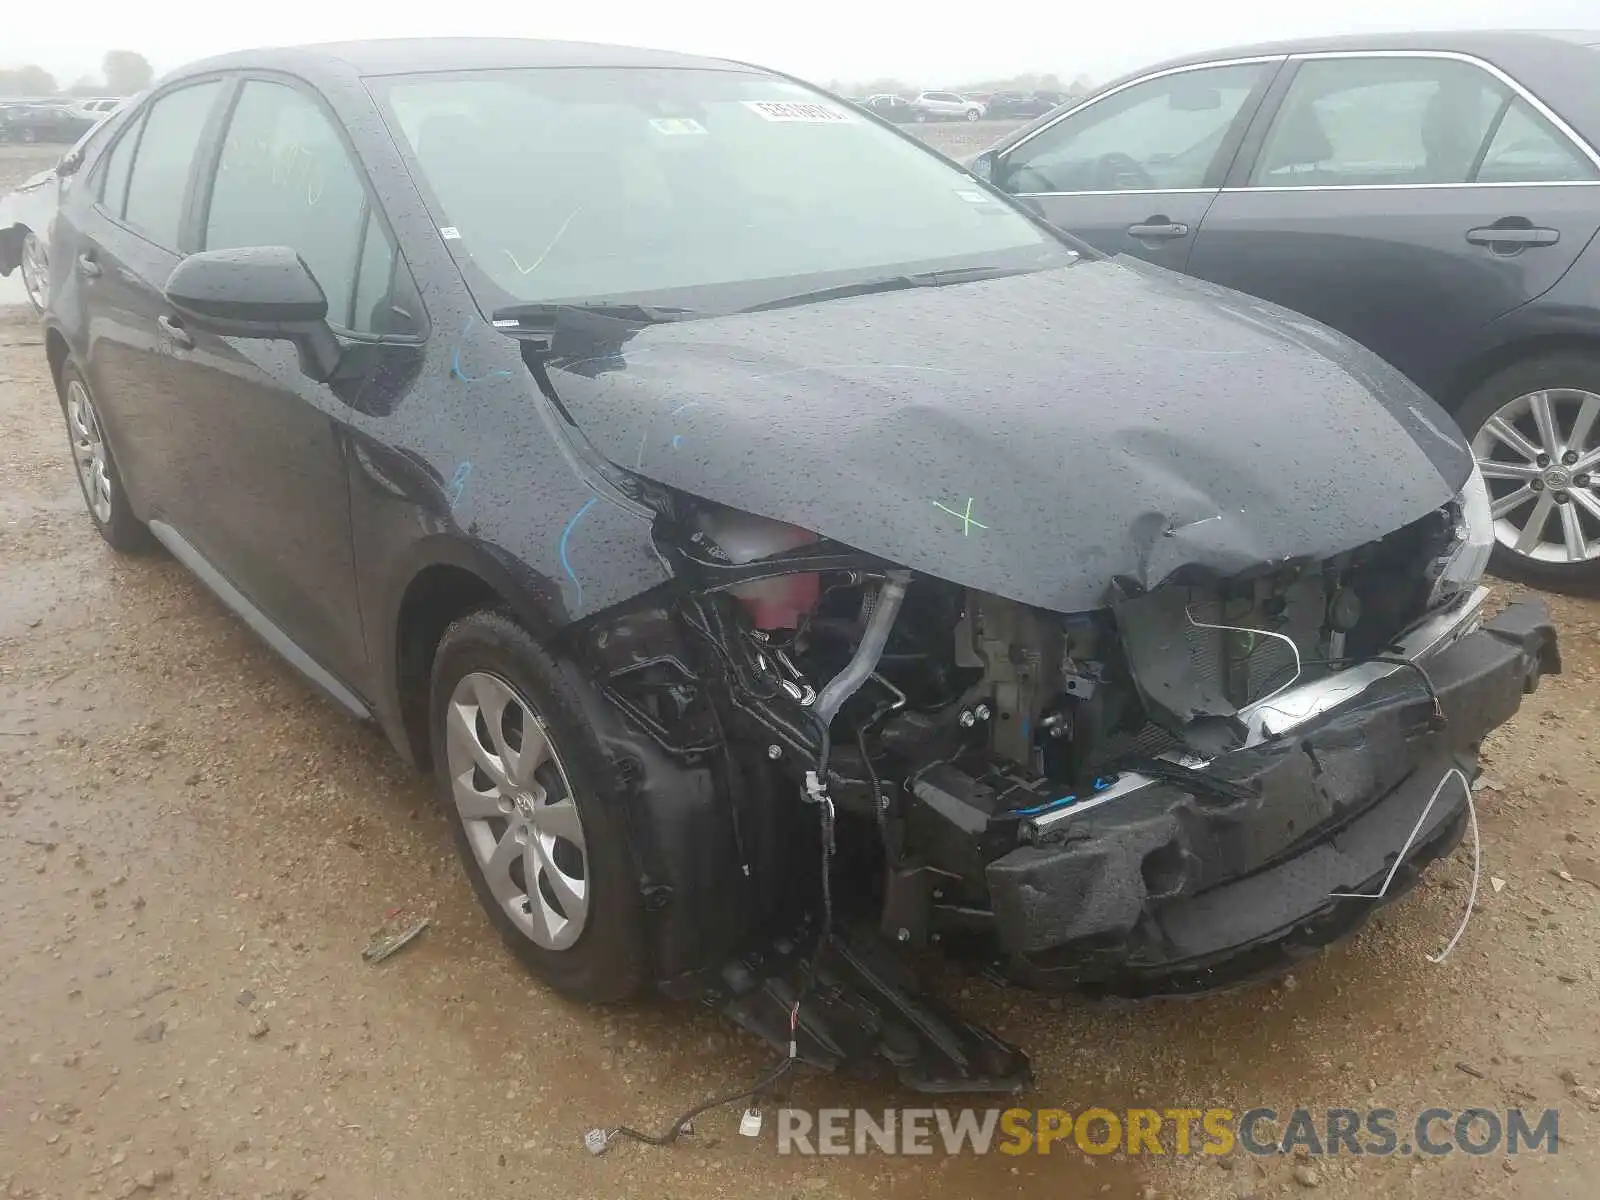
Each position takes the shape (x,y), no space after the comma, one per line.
(568,184)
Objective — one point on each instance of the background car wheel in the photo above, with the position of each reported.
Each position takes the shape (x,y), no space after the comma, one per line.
(973,114)
(1535,430)
(97,470)
(535,805)
(35,271)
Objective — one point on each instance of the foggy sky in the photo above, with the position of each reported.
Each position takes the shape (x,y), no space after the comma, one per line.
(848,40)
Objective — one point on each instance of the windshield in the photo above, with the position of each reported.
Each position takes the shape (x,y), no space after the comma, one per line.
(707,189)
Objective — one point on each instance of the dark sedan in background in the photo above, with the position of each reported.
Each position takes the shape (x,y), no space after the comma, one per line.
(1021,106)
(29,123)
(1434,196)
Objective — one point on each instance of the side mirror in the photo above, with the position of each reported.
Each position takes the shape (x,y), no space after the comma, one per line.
(984,166)
(258,292)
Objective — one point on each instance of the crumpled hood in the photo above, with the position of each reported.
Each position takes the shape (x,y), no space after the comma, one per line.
(1034,436)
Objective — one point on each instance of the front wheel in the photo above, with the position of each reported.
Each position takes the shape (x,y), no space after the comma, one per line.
(973,114)
(1535,430)
(537,809)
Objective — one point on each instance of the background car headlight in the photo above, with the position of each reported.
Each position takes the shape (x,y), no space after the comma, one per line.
(1463,565)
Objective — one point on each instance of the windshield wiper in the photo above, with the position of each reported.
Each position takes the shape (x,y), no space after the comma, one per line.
(541,318)
(890,283)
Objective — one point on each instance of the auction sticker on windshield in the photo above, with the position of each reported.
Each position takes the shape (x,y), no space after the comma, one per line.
(798,110)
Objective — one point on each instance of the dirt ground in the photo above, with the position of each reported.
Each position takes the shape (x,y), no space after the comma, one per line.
(194,850)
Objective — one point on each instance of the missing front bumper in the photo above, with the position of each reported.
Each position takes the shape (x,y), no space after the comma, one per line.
(1163,891)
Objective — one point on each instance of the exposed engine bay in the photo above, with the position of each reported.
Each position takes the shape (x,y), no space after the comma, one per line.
(917,678)
(1030,790)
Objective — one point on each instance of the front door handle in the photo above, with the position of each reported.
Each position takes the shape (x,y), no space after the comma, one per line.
(88,268)
(1509,239)
(1157,229)
(175,331)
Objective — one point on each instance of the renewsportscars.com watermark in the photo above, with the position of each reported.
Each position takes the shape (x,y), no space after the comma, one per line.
(1174,1131)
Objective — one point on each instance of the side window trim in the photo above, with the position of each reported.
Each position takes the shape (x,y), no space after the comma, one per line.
(1239,175)
(1226,153)
(371,205)
(1489,136)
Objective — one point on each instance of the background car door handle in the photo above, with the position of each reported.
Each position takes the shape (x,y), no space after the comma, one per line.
(87,267)
(1158,231)
(177,333)
(1513,236)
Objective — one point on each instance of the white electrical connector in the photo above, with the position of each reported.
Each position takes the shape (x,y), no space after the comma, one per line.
(750,1123)
(596,1141)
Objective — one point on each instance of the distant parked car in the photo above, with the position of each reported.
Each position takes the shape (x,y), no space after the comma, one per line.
(31,123)
(892,108)
(25,216)
(945,106)
(1007,106)
(1435,197)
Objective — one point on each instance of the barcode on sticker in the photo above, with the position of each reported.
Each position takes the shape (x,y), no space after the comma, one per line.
(805,111)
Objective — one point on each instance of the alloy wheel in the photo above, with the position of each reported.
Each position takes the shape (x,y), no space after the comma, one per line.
(1540,455)
(89,451)
(35,271)
(517,808)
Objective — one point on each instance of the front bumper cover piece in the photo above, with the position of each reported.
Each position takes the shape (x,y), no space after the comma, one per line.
(1164,891)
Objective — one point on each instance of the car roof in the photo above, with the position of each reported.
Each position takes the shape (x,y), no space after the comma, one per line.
(396,56)
(1558,66)
(1481,43)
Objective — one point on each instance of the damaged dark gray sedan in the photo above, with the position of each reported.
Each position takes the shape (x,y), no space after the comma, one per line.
(784,551)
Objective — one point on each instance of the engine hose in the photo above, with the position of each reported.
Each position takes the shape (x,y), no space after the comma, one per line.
(870,649)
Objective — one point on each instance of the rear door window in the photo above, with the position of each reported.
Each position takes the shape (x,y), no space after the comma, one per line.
(114,175)
(159,178)
(1382,120)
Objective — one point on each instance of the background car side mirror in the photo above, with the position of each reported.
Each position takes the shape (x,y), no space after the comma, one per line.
(258,292)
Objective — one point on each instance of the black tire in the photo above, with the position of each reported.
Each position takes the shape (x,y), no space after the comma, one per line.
(1564,369)
(973,114)
(608,961)
(122,531)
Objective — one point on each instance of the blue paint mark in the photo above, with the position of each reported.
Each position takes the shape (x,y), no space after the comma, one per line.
(458,482)
(677,440)
(455,364)
(567,533)
(1101,783)
(1039,808)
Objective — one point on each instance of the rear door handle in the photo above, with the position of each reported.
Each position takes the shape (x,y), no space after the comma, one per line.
(1158,231)
(88,268)
(1513,236)
(175,331)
